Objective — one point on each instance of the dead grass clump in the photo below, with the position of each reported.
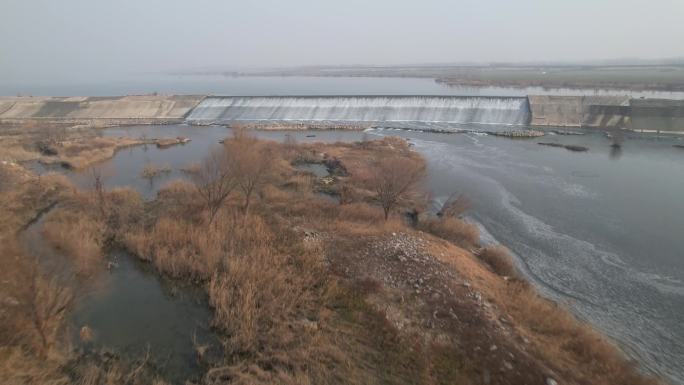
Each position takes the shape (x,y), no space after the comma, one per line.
(85,151)
(126,206)
(25,197)
(178,199)
(361,212)
(177,248)
(86,223)
(452,229)
(271,307)
(78,237)
(183,248)
(150,171)
(302,183)
(499,259)
(19,366)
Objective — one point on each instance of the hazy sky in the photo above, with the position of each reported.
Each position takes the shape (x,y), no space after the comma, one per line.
(82,39)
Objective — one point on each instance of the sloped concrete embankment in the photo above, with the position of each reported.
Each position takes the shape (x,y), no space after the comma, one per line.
(657,114)
(607,112)
(580,111)
(98,110)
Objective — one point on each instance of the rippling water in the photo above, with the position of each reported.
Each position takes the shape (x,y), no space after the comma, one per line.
(601,231)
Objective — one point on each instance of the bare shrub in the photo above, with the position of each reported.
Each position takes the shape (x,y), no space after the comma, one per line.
(453,230)
(393,179)
(455,206)
(499,259)
(214,180)
(251,161)
(33,303)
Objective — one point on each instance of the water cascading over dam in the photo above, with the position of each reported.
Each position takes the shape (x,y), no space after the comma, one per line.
(448,109)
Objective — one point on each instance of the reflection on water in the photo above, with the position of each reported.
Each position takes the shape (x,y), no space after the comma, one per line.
(133,310)
(317,169)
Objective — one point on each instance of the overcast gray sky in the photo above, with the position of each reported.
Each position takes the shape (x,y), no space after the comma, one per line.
(81,39)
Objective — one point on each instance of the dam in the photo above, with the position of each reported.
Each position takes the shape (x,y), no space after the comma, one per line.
(446,109)
(600,112)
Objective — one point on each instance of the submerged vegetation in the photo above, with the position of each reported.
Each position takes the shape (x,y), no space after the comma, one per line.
(303,290)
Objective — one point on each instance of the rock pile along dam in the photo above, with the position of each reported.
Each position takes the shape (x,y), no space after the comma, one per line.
(565,111)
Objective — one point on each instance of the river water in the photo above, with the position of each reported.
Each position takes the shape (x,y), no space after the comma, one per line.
(136,84)
(600,231)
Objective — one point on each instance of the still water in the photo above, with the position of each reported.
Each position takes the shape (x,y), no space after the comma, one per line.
(132,311)
(136,84)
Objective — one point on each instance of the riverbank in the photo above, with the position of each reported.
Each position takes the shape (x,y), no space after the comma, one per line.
(417,303)
(611,77)
(76,148)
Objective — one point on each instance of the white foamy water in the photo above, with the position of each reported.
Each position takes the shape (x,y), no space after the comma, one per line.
(450,109)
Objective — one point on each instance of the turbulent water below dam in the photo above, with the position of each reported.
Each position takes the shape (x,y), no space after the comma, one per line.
(447,109)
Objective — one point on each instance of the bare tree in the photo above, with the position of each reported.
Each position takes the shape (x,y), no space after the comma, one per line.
(214,180)
(46,306)
(98,178)
(251,162)
(394,178)
(34,303)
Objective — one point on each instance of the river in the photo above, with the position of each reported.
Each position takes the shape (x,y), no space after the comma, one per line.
(600,231)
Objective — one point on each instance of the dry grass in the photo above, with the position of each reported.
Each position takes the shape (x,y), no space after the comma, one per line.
(283,316)
(452,229)
(20,367)
(150,171)
(35,298)
(272,309)
(499,260)
(84,152)
(86,223)
(571,348)
(23,196)
(78,237)
(562,339)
